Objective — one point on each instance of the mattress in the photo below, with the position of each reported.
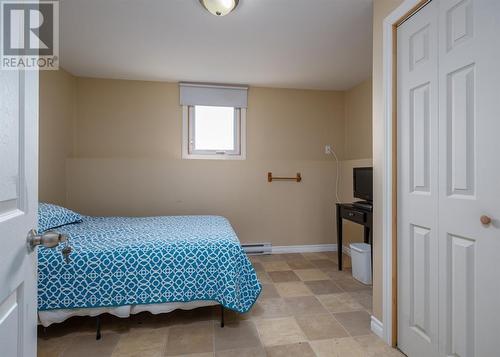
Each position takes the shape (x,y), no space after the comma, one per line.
(130,261)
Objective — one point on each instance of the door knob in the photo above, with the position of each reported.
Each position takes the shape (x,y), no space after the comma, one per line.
(485,220)
(48,239)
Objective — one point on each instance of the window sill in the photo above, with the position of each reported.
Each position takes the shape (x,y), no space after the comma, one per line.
(186,156)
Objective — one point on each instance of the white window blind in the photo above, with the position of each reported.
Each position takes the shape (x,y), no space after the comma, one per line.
(192,94)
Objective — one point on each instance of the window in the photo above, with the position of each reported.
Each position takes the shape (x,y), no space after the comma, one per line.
(214,130)
(213,122)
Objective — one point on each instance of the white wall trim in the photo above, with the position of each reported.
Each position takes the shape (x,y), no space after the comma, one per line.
(313,248)
(389,21)
(377,327)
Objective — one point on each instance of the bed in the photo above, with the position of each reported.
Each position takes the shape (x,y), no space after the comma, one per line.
(125,265)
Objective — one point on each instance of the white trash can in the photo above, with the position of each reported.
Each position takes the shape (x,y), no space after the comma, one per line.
(361,262)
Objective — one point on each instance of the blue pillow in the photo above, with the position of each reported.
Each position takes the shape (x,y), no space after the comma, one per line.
(52,216)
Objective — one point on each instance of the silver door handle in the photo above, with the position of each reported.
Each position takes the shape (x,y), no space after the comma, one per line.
(48,239)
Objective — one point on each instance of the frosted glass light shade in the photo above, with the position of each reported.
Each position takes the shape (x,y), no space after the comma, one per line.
(219,7)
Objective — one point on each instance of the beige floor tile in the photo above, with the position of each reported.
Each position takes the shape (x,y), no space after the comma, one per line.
(54,347)
(375,347)
(263,277)
(364,297)
(305,305)
(189,339)
(142,342)
(338,347)
(357,323)
(270,308)
(311,274)
(206,354)
(321,327)
(242,352)
(283,276)
(268,292)
(342,302)
(300,264)
(236,336)
(293,257)
(258,266)
(87,345)
(145,353)
(335,274)
(324,263)
(352,285)
(323,287)
(331,255)
(280,331)
(292,289)
(369,341)
(314,256)
(276,266)
(293,350)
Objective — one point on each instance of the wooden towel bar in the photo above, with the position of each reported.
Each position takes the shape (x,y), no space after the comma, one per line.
(270,178)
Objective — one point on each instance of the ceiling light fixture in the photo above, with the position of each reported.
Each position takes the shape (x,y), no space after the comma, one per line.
(219,7)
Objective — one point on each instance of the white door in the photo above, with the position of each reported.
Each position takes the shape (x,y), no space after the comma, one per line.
(451,257)
(418,183)
(18,211)
(469,177)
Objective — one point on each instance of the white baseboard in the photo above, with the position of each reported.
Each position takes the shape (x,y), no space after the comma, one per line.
(377,327)
(313,248)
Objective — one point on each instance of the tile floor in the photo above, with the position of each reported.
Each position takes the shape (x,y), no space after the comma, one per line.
(307,308)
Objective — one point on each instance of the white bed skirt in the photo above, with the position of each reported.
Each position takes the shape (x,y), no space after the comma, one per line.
(46,318)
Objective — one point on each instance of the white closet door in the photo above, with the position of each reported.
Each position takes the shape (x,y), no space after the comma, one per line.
(469,177)
(418,184)
(449,179)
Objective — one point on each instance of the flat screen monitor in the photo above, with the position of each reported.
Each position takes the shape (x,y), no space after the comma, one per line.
(363,183)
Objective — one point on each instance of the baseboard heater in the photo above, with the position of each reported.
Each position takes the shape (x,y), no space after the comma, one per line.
(257,248)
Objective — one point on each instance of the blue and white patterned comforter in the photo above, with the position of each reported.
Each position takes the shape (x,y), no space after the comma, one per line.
(125,261)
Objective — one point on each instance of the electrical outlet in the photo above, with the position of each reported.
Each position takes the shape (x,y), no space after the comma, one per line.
(328,149)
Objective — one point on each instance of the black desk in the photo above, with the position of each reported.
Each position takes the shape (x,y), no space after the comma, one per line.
(357,215)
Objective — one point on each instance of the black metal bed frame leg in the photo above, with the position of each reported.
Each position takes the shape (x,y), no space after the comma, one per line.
(221,316)
(98,329)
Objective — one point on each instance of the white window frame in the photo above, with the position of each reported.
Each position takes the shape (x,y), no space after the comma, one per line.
(188,132)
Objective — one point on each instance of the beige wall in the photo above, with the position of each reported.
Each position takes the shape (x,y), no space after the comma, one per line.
(358,121)
(358,148)
(57,99)
(381,8)
(128,149)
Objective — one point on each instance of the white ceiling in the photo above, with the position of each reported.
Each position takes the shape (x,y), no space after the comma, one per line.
(313,44)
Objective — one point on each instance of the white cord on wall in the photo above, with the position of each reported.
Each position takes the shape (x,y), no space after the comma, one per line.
(337,181)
